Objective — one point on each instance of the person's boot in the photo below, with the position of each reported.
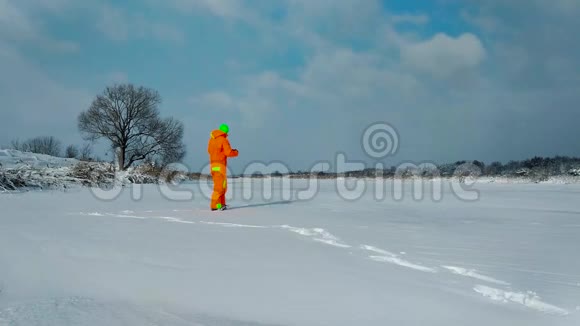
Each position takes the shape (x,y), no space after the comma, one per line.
(220,207)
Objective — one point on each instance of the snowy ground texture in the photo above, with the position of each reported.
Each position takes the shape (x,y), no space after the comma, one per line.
(24,171)
(509,258)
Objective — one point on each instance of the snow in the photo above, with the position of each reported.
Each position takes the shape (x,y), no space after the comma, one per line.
(508,258)
(23,171)
(474,274)
(388,257)
(16,159)
(318,234)
(530,299)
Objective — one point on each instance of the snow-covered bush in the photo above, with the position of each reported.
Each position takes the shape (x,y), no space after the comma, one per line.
(93,174)
(10,182)
(71,151)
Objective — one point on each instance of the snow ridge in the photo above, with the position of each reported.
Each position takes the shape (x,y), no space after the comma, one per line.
(389,257)
(530,299)
(473,274)
(234,225)
(318,234)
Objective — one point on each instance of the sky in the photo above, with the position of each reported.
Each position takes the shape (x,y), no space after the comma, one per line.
(298,81)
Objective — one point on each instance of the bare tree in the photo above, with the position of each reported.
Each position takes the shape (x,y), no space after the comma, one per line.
(17,145)
(72,151)
(128,117)
(45,145)
(86,152)
(40,145)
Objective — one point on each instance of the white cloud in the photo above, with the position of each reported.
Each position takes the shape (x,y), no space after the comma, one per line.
(256,111)
(118,25)
(53,6)
(443,55)
(270,80)
(225,8)
(166,32)
(14,23)
(253,110)
(340,76)
(486,23)
(117,77)
(37,104)
(532,46)
(221,8)
(569,7)
(338,21)
(333,81)
(113,23)
(214,100)
(18,26)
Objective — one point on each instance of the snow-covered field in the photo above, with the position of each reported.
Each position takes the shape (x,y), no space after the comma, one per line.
(10,158)
(509,258)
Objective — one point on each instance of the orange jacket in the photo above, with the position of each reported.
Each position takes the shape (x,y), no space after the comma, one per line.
(219,149)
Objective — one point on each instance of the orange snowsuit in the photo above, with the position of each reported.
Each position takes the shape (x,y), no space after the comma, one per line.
(219,149)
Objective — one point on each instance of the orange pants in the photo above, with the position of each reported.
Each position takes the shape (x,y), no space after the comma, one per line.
(218,197)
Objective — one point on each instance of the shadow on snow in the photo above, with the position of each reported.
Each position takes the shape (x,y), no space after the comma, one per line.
(284,202)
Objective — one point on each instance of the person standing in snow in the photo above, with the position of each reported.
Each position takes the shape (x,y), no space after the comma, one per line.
(219,150)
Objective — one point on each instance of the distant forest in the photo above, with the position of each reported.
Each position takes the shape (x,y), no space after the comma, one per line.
(537,168)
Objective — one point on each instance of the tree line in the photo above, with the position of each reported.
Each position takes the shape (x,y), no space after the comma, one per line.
(536,168)
(50,145)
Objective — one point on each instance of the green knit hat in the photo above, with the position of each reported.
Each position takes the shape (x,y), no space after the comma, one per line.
(224,127)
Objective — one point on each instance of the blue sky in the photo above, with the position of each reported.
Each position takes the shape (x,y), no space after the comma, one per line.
(298,81)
